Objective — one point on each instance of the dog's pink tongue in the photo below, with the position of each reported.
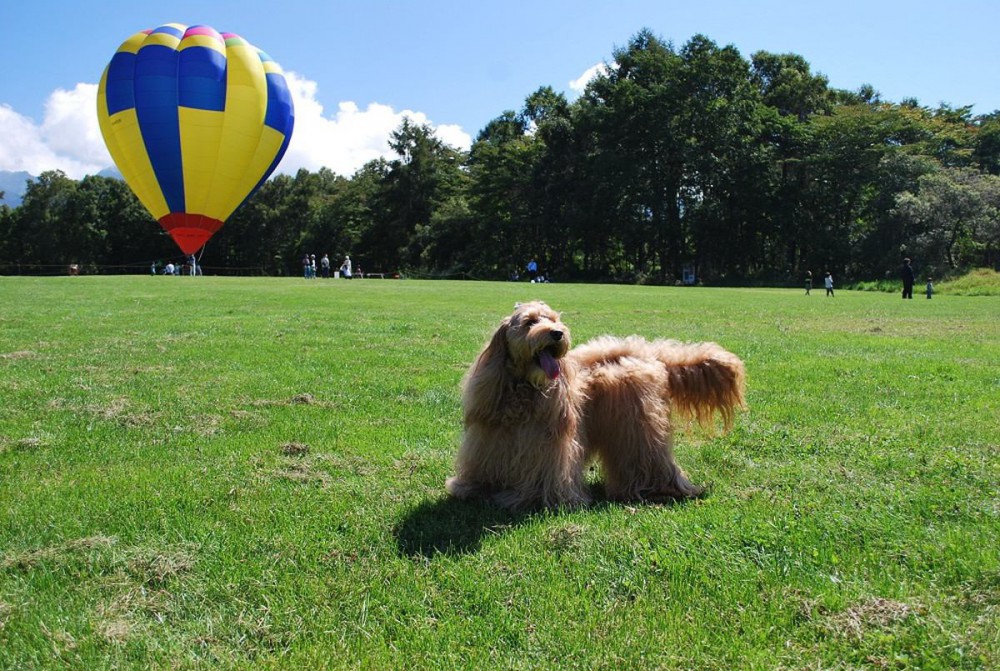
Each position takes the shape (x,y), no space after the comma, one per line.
(548,364)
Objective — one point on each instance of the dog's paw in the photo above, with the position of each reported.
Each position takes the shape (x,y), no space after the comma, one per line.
(462,489)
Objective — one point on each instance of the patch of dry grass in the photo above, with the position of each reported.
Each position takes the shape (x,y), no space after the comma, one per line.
(294,449)
(19,355)
(24,561)
(304,473)
(6,610)
(870,614)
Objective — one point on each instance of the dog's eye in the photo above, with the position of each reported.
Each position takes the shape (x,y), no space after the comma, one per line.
(531,321)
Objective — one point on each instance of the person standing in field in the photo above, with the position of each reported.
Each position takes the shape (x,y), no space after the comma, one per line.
(828,283)
(532,270)
(930,287)
(809,282)
(907,275)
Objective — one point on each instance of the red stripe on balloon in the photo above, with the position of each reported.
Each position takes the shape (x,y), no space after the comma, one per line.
(202,30)
(189,231)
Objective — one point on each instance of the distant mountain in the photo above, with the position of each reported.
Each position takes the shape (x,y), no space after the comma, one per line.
(13,185)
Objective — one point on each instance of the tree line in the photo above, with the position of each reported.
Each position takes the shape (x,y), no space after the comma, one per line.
(672,160)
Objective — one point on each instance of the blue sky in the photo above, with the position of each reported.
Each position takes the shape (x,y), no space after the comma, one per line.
(357,67)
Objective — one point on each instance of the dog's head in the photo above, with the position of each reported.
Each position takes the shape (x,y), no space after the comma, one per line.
(531,342)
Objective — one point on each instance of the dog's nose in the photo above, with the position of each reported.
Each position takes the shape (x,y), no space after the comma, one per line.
(556,335)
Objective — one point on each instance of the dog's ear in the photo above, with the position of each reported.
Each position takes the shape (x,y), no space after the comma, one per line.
(484,384)
(495,352)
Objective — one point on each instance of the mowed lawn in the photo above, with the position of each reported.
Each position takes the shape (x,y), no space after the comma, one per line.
(248,473)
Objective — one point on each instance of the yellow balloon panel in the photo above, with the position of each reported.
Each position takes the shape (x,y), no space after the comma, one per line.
(201,135)
(124,141)
(246,105)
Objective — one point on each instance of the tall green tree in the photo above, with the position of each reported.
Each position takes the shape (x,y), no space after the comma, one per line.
(501,166)
(845,169)
(679,148)
(955,216)
(638,129)
(42,234)
(555,193)
(787,84)
(129,237)
(728,183)
(7,232)
(345,210)
(792,96)
(425,174)
(986,149)
(451,245)
(257,237)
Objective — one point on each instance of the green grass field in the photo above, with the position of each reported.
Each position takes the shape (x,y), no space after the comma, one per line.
(248,473)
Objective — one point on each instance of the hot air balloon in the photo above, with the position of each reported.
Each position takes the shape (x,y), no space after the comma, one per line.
(195,121)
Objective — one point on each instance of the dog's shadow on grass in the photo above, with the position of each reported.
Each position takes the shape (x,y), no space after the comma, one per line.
(450,526)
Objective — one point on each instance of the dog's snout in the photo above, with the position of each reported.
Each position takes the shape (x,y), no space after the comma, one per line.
(556,335)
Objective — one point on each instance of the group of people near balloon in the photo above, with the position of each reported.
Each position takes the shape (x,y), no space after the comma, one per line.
(309,267)
(188,267)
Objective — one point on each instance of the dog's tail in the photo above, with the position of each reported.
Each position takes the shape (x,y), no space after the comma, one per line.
(704,379)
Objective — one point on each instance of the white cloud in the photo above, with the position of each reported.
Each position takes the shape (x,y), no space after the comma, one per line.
(69,138)
(70,127)
(580,83)
(453,135)
(346,140)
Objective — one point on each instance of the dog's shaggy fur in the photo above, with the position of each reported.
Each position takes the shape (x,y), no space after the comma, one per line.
(537,412)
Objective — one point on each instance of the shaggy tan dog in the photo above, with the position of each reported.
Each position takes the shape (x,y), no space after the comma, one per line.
(537,412)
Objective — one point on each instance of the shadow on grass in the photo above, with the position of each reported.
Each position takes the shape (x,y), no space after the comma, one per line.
(450,526)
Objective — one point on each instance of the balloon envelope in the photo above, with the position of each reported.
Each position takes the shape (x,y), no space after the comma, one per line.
(195,121)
